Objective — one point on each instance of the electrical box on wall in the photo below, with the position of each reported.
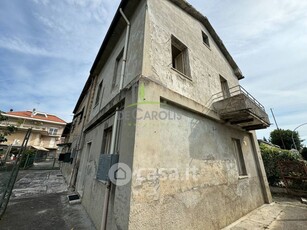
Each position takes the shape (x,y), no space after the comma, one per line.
(106,161)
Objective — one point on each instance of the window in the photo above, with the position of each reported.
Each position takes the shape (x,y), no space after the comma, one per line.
(225,87)
(239,157)
(107,137)
(180,60)
(81,115)
(98,93)
(205,38)
(53,131)
(118,69)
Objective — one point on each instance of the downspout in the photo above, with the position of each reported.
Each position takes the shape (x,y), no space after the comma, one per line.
(125,50)
(116,121)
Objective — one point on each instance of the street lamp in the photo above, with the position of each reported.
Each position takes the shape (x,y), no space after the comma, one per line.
(293,133)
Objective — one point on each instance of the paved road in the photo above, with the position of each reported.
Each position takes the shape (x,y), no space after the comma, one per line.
(39,201)
(284,213)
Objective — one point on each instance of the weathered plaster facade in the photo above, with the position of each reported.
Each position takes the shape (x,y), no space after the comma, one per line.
(171,128)
(195,140)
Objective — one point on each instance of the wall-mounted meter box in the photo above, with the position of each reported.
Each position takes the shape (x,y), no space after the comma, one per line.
(106,161)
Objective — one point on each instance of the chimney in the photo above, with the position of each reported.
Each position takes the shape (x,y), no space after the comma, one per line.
(33,112)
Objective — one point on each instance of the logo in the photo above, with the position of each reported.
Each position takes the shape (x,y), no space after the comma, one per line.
(120,174)
(139,111)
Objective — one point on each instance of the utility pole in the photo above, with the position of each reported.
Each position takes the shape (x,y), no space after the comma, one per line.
(282,141)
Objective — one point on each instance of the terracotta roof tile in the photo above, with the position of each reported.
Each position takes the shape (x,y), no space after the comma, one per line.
(28,114)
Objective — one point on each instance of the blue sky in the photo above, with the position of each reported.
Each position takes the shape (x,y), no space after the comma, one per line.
(47,49)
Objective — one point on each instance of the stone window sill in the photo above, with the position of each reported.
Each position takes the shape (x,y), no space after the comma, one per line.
(207,46)
(243,177)
(181,74)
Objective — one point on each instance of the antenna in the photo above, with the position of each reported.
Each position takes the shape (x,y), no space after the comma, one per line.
(37,103)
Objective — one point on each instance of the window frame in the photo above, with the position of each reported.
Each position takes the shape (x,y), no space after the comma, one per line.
(239,156)
(118,63)
(205,38)
(81,115)
(53,129)
(225,87)
(99,90)
(178,49)
(107,139)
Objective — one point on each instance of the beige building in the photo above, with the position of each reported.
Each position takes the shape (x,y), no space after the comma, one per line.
(46,129)
(164,97)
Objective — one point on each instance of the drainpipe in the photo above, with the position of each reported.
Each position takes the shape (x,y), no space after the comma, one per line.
(125,50)
(115,124)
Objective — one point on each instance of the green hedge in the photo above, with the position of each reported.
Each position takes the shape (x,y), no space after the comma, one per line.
(271,156)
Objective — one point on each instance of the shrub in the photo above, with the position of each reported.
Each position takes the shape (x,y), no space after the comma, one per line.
(28,158)
(271,156)
(304,153)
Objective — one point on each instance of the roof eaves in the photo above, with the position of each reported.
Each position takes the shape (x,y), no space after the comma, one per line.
(35,119)
(83,93)
(103,46)
(184,6)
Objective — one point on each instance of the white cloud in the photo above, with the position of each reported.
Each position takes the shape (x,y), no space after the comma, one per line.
(267,39)
(44,2)
(16,44)
(55,43)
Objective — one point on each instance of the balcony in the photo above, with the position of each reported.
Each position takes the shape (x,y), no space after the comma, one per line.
(237,107)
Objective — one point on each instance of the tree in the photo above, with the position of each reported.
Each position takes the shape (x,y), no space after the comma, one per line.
(283,138)
(7,130)
(304,153)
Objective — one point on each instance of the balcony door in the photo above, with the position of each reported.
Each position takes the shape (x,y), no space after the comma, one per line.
(225,87)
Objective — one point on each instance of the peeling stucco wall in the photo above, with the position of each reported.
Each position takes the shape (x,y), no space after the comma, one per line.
(199,139)
(206,63)
(92,190)
(217,197)
(134,59)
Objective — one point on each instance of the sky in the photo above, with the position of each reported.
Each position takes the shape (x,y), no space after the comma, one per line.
(47,48)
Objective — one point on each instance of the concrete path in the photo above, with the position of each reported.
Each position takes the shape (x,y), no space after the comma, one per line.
(284,213)
(39,201)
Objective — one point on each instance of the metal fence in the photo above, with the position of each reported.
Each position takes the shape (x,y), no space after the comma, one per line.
(9,167)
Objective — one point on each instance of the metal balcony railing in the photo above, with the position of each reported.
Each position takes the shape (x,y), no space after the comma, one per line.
(237,90)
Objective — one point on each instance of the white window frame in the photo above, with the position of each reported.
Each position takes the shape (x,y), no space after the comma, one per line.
(54,131)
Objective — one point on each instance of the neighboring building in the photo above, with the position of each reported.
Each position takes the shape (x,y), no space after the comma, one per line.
(46,129)
(64,145)
(182,114)
(73,142)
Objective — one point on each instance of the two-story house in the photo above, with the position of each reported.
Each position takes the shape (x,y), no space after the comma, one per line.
(164,95)
(74,141)
(46,130)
